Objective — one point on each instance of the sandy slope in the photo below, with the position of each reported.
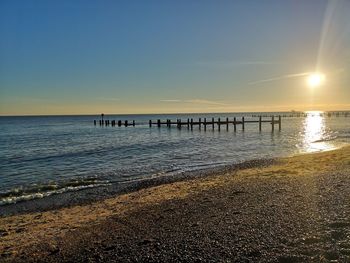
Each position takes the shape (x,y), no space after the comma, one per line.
(297,210)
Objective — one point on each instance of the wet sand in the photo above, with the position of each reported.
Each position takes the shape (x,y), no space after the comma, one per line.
(295,209)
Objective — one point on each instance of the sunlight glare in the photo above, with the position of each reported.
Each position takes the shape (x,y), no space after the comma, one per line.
(315,79)
(315,134)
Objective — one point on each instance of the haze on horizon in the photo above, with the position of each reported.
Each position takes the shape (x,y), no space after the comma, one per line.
(87,57)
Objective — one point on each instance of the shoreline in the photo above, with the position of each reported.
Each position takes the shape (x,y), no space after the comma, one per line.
(94,194)
(294,209)
(99,193)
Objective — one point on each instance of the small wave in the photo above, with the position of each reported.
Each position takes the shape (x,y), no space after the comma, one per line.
(333,138)
(344,136)
(41,191)
(325,140)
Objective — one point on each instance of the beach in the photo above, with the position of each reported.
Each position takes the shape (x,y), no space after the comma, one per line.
(293,209)
(174,131)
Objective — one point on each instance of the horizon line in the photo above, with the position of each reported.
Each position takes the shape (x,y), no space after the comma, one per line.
(167,113)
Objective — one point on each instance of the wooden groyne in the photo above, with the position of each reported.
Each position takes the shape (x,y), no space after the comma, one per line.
(201,123)
(220,123)
(226,123)
(113,123)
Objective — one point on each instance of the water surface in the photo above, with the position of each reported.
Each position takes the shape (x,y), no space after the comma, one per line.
(41,156)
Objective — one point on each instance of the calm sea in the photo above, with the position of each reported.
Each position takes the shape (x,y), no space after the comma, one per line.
(43,156)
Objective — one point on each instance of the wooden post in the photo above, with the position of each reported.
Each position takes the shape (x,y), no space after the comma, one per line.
(188,123)
(243,123)
(259,123)
(133,123)
(234,124)
(191,124)
(126,123)
(279,123)
(227,124)
(199,123)
(150,123)
(273,123)
(219,124)
(119,123)
(213,123)
(158,123)
(95,122)
(205,124)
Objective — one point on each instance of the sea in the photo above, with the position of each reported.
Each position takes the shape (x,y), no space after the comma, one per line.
(42,156)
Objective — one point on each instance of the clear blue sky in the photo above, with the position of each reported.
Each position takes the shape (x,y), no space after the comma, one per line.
(82,57)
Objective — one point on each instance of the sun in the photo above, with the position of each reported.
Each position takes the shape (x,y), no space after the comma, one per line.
(315,79)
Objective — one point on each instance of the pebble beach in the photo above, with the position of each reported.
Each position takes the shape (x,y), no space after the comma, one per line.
(293,209)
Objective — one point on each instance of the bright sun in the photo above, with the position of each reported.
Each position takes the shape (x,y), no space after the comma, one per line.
(315,79)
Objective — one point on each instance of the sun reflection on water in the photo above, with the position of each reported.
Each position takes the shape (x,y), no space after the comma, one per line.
(315,134)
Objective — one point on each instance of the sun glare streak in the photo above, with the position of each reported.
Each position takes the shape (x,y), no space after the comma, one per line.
(327,20)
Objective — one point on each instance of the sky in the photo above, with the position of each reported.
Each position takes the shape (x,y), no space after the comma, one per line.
(88,57)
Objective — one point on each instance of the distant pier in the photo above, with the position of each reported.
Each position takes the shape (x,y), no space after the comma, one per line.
(306,114)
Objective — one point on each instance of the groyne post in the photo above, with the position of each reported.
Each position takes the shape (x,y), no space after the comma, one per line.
(259,123)
(273,123)
(243,123)
(234,124)
(279,123)
(178,123)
